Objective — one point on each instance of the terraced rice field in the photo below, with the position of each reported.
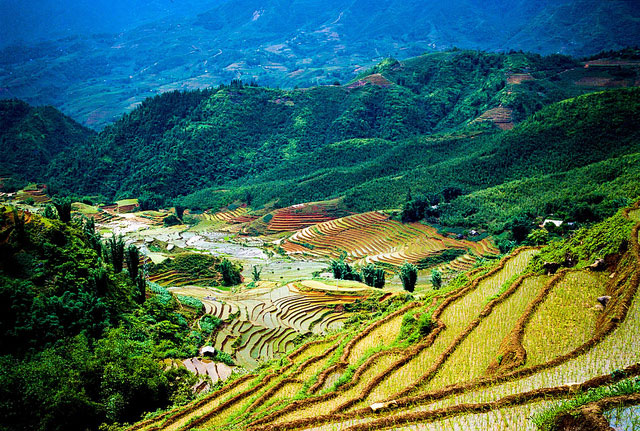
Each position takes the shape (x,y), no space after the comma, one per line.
(38,194)
(456,318)
(155,217)
(237,215)
(264,323)
(478,368)
(175,278)
(374,238)
(549,333)
(500,116)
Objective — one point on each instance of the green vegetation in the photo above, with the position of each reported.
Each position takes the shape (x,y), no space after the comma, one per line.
(71,320)
(415,326)
(372,276)
(203,269)
(446,256)
(368,274)
(436,279)
(255,272)
(343,271)
(31,137)
(230,272)
(373,143)
(409,276)
(63,207)
(114,252)
(547,419)
(586,245)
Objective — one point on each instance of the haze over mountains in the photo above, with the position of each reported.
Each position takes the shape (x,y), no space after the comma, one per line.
(104,67)
(445,238)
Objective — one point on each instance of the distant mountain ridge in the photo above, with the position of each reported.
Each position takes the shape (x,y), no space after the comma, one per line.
(430,123)
(94,78)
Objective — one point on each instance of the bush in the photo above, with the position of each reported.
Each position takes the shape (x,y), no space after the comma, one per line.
(172,220)
(209,323)
(230,272)
(436,279)
(343,271)
(373,276)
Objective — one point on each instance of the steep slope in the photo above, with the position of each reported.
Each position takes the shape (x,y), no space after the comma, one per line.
(496,346)
(31,137)
(322,138)
(575,142)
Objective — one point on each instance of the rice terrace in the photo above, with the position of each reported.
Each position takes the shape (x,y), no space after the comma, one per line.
(469,355)
(256,215)
(512,342)
(505,343)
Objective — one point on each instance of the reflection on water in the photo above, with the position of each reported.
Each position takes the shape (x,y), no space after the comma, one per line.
(624,418)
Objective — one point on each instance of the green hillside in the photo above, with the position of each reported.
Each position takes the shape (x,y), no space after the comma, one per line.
(96,75)
(79,339)
(402,124)
(427,124)
(505,346)
(31,137)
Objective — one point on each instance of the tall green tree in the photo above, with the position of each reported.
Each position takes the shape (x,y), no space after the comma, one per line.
(409,276)
(230,272)
(255,272)
(63,206)
(436,279)
(114,252)
(372,276)
(133,261)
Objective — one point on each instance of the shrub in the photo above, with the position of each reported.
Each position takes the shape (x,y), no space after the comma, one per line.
(373,276)
(343,271)
(436,279)
(230,272)
(114,252)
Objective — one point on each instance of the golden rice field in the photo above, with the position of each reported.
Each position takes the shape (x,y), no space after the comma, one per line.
(375,238)
(503,346)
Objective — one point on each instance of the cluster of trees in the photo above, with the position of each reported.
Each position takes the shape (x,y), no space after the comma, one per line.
(423,207)
(368,274)
(77,337)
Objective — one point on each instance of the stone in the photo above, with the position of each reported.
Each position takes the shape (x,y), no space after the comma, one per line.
(604,300)
(376,407)
(598,265)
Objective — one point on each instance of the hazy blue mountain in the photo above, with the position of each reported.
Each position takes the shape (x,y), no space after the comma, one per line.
(95,77)
(27,22)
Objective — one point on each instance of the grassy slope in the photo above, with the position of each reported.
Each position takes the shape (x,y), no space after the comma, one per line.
(176,144)
(576,150)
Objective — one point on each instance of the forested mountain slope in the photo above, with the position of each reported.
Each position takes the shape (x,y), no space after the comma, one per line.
(332,138)
(31,137)
(425,124)
(95,77)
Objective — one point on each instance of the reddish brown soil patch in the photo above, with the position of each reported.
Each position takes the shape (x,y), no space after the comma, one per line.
(519,78)
(375,79)
(500,116)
